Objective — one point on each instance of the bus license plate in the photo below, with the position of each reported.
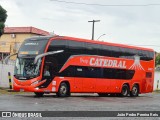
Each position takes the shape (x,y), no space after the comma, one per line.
(21,90)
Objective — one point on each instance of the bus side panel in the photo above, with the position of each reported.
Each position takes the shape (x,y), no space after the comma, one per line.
(77,86)
(69,80)
(115,85)
(102,85)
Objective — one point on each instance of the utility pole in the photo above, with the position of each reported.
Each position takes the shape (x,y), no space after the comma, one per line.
(93,27)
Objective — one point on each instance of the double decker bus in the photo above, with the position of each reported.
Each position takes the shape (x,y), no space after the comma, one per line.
(65,65)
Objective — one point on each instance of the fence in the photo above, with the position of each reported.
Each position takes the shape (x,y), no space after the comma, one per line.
(4,69)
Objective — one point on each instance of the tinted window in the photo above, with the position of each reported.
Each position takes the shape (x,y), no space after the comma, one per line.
(94,72)
(76,47)
(61,57)
(105,50)
(111,73)
(69,72)
(36,46)
(79,71)
(92,49)
(58,45)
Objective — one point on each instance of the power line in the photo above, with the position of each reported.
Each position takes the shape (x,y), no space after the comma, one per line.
(109,5)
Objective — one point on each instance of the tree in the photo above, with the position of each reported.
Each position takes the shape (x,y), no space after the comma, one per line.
(3,17)
(158,60)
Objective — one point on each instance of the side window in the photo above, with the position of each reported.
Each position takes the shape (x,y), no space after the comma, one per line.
(115,51)
(105,51)
(130,74)
(111,73)
(58,45)
(68,72)
(151,55)
(108,73)
(127,53)
(92,72)
(61,58)
(92,49)
(76,47)
(79,72)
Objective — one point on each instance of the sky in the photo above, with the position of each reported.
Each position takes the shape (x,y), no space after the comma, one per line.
(131,22)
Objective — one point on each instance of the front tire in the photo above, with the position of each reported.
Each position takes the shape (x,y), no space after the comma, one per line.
(125,90)
(135,91)
(63,90)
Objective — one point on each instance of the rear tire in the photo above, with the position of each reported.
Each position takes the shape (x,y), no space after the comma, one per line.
(63,90)
(135,91)
(39,94)
(125,90)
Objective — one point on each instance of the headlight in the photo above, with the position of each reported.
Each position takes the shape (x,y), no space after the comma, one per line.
(37,88)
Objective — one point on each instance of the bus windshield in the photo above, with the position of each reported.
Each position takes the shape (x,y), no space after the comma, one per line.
(26,69)
(32,47)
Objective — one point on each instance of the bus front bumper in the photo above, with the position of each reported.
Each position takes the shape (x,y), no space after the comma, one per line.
(32,88)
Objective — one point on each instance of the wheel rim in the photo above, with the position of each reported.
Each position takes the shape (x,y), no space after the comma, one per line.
(63,90)
(134,90)
(124,91)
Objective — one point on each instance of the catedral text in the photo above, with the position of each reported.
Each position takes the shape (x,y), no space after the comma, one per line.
(107,63)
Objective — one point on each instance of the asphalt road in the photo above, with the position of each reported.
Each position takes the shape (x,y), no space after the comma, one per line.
(79,102)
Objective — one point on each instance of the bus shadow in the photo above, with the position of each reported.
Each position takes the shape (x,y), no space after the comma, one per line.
(81,96)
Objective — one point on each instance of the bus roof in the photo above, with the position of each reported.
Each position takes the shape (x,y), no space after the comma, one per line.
(105,43)
(92,41)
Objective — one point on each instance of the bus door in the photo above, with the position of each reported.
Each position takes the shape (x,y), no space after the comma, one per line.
(49,71)
(47,75)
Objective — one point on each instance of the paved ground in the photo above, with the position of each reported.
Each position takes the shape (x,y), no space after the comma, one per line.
(78,102)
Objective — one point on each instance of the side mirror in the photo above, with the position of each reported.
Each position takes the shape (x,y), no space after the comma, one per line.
(6,59)
(46,54)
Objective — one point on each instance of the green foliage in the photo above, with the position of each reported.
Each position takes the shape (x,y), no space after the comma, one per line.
(3,17)
(158,60)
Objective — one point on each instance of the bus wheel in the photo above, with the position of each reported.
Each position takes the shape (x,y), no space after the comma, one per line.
(63,90)
(135,91)
(125,90)
(39,94)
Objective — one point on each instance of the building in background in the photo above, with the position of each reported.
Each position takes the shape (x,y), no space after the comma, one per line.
(12,38)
